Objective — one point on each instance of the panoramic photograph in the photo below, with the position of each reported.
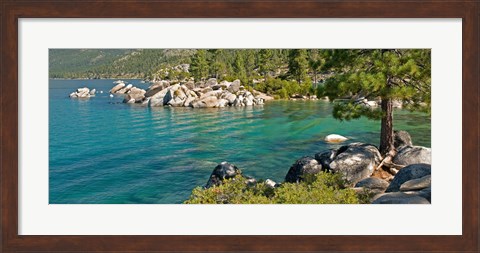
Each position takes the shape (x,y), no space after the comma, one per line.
(239,126)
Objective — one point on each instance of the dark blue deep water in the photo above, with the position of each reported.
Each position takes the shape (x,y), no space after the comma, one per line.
(103,151)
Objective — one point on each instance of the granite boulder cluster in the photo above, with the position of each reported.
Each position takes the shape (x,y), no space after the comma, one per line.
(358,164)
(83,93)
(208,94)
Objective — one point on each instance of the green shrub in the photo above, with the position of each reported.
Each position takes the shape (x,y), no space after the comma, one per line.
(322,188)
(232,191)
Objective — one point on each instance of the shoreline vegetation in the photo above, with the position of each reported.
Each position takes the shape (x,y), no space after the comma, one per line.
(359,83)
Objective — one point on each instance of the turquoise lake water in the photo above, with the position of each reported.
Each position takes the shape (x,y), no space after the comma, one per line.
(103,151)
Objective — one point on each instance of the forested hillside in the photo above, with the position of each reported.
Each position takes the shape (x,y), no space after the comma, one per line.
(112,63)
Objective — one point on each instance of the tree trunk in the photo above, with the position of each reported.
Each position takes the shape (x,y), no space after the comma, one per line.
(386,133)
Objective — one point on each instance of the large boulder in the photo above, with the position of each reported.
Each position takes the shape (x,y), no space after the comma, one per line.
(230,97)
(373,184)
(188,101)
(224,84)
(124,89)
(215,93)
(175,87)
(416,184)
(135,93)
(408,173)
(325,158)
(302,167)
(399,198)
(160,84)
(177,102)
(157,98)
(207,102)
(234,86)
(412,155)
(180,93)
(211,82)
(117,87)
(128,99)
(190,85)
(223,171)
(248,101)
(356,161)
(401,139)
(222,102)
(424,193)
(152,91)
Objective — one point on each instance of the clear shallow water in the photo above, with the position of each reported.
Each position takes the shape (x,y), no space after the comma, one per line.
(103,151)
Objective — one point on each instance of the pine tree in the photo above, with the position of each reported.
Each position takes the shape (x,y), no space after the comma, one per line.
(217,62)
(250,65)
(239,67)
(265,62)
(298,64)
(388,75)
(199,65)
(315,62)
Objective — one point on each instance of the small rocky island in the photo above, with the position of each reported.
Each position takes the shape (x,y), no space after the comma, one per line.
(83,93)
(208,94)
(360,165)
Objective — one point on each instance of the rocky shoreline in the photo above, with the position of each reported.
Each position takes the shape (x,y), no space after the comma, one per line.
(208,94)
(358,163)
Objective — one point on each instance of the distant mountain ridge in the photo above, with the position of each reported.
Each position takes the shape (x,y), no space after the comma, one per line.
(113,63)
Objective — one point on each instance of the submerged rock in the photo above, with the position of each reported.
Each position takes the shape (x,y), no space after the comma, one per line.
(335,138)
